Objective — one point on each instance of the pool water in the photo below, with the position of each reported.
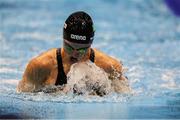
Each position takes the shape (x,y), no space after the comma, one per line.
(145,35)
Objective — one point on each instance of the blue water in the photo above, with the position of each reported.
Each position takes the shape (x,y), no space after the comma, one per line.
(143,34)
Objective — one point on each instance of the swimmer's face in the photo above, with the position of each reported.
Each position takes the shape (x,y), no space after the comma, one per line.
(76,51)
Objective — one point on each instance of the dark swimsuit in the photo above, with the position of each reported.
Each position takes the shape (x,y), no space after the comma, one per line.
(61,77)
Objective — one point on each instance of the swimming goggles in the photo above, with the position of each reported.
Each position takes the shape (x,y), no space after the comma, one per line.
(70,49)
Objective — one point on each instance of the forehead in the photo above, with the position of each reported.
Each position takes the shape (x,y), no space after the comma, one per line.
(77,45)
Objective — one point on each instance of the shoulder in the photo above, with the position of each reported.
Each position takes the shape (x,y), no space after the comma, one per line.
(44,62)
(100,57)
(105,61)
(45,58)
(49,54)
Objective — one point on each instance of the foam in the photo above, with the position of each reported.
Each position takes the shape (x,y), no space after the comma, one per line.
(87,78)
(168,79)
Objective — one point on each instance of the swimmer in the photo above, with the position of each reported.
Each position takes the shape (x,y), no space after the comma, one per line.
(52,66)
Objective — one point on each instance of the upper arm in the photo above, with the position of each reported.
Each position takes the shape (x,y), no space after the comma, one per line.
(111,65)
(37,72)
(106,62)
(35,75)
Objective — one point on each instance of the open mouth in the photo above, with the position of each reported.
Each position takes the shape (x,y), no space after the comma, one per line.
(73,59)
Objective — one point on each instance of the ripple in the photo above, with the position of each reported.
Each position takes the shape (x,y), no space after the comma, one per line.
(34,35)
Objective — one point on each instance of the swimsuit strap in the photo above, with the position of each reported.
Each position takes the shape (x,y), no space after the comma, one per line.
(61,77)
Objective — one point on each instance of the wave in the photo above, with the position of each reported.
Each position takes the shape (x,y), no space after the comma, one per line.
(35,36)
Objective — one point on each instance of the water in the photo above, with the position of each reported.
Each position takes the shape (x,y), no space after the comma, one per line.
(143,34)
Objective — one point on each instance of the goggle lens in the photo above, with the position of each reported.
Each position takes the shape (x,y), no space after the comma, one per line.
(70,49)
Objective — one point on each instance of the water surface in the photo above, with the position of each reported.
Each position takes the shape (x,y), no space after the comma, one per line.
(143,34)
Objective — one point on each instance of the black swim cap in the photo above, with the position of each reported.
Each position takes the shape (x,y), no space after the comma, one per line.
(78,28)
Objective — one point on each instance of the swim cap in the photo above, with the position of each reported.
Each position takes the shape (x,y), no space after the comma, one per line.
(78,28)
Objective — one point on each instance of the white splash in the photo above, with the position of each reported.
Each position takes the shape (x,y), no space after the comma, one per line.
(87,78)
(168,79)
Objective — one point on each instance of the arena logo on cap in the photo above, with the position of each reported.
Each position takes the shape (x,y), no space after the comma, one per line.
(78,37)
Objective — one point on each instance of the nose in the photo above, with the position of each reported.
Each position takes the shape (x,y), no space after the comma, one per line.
(75,53)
